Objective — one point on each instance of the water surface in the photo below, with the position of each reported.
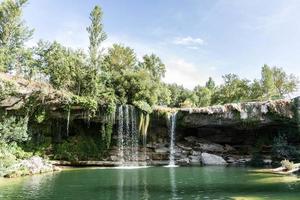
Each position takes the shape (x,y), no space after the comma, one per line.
(153,183)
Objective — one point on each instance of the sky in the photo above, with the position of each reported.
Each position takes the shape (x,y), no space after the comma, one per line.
(196,39)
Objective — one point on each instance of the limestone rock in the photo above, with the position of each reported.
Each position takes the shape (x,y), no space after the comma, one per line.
(211,159)
(195,160)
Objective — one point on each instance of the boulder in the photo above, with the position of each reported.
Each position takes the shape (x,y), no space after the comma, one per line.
(211,159)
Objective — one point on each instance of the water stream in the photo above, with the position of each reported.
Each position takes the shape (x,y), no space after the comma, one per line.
(128,137)
(172,132)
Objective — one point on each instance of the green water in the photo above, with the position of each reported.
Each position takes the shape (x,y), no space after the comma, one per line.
(153,183)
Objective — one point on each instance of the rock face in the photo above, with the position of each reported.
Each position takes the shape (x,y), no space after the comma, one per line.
(33,165)
(211,159)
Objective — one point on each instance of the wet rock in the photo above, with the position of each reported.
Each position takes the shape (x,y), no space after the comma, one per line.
(211,159)
(229,148)
(211,147)
(196,153)
(161,150)
(184,147)
(183,161)
(195,160)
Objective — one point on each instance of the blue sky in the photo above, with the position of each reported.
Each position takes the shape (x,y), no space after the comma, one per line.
(195,38)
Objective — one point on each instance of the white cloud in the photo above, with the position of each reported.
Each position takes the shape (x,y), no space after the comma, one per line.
(184,73)
(189,41)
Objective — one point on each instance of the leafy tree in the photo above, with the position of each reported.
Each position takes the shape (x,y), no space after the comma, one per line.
(284,83)
(96,37)
(210,84)
(276,83)
(13,34)
(204,96)
(13,129)
(267,81)
(178,94)
(120,59)
(256,91)
(154,65)
(234,89)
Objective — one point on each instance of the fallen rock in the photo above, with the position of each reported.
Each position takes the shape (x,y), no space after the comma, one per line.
(211,159)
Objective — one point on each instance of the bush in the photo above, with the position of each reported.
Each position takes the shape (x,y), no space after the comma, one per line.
(10,154)
(79,148)
(281,150)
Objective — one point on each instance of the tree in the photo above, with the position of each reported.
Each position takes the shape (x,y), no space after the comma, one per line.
(178,94)
(96,37)
(154,65)
(65,68)
(276,83)
(267,82)
(234,89)
(204,95)
(210,84)
(119,59)
(284,83)
(13,34)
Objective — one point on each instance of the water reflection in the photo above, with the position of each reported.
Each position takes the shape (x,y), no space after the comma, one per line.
(132,184)
(173,183)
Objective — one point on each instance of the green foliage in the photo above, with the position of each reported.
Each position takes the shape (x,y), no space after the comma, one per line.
(6,89)
(79,148)
(13,34)
(13,129)
(282,150)
(96,37)
(276,83)
(154,66)
(9,155)
(142,105)
(178,94)
(85,102)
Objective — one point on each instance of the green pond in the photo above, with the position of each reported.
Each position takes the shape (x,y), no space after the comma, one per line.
(153,183)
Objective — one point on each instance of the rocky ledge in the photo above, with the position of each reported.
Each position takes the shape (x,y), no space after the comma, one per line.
(31,166)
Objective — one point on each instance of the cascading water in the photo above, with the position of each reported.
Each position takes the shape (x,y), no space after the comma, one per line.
(68,122)
(172,131)
(128,140)
(120,134)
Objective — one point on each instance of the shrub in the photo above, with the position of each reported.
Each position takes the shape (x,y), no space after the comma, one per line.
(79,148)
(282,150)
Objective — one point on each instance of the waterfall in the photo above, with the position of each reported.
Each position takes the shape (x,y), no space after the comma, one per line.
(172,132)
(120,134)
(68,121)
(128,139)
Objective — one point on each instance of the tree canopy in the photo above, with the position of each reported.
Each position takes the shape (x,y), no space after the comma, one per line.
(116,75)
